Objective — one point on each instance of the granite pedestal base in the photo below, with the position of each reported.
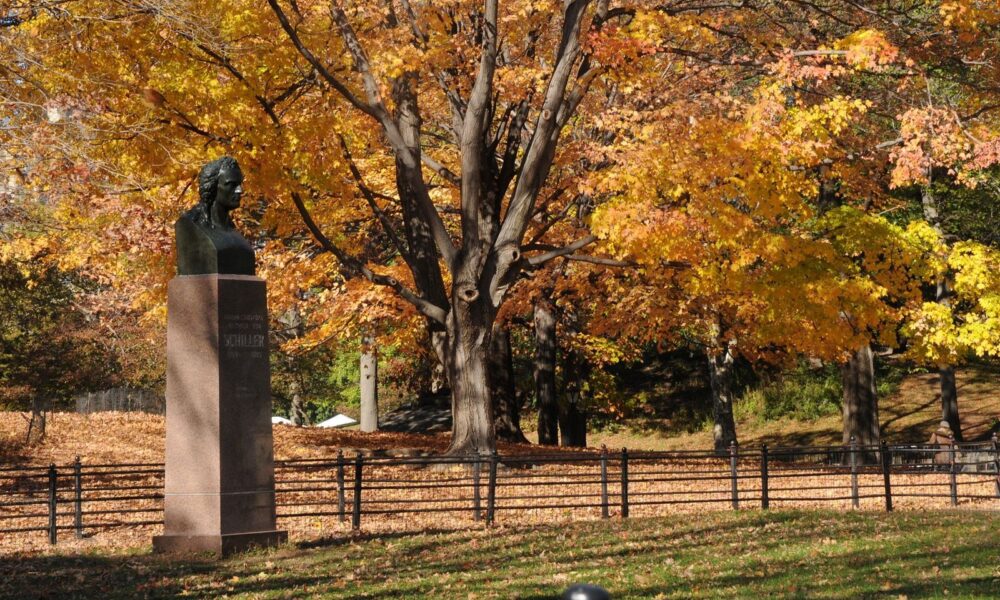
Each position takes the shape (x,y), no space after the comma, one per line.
(222,545)
(219,493)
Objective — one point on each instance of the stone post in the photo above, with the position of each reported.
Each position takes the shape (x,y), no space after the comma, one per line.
(219,494)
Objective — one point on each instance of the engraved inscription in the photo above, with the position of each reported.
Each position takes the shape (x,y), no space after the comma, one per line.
(243,340)
(244,335)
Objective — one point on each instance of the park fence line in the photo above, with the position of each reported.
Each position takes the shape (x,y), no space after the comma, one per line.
(121,399)
(321,496)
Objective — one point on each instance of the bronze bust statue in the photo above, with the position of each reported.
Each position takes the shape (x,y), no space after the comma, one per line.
(207,241)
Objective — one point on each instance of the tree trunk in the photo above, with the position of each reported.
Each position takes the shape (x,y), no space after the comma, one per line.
(545,372)
(573,414)
(506,409)
(469,327)
(299,416)
(369,386)
(37,423)
(861,401)
(946,373)
(573,424)
(949,401)
(720,369)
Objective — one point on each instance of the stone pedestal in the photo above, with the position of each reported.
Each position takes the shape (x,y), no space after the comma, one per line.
(219,493)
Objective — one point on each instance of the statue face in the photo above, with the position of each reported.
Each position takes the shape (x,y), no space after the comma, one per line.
(230,188)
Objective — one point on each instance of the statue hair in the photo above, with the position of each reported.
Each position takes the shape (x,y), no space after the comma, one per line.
(208,183)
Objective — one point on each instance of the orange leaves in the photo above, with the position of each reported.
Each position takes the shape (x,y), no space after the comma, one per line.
(930,137)
(937,137)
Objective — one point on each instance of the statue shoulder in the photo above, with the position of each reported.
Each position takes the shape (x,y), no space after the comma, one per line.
(194,247)
(188,226)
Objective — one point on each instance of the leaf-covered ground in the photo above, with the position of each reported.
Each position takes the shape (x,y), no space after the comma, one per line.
(137,437)
(908,416)
(814,554)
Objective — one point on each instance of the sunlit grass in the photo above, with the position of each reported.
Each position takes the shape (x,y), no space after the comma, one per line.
(723,554)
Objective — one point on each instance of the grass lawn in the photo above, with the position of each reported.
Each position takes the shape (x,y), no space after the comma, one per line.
(808,554)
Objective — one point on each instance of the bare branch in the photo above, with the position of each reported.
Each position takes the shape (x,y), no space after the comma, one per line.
(320,68)
(383,218)
(564,251)
(599,260)
(355,266)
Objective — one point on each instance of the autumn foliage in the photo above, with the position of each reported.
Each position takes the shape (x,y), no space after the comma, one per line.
(735,177)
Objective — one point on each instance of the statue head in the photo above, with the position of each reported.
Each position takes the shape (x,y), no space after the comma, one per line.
(220,186)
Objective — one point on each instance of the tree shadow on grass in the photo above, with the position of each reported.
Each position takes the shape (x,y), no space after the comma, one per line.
(678,556)
(91,576)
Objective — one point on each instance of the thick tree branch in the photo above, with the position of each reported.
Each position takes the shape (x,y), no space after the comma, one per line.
(441,170)
(538,157)
(473,139)
(599,260)
(408,158)
(409,177)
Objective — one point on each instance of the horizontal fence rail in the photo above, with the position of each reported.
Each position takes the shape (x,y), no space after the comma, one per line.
(316,497)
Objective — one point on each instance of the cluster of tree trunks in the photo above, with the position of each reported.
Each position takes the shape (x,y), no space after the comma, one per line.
(506,405)
(562,422)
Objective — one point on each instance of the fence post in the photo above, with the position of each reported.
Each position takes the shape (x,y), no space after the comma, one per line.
(476,499)
(78,497)
(624,483)
(886,462)
(356,512)
(732,474)
(765,502)
(604,482)
(52,504)
(953,474)
(491,489)
(855,500)
(996,461)
(340,486)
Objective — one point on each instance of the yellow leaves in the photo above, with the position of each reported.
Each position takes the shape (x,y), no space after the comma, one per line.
(976,269)
(969,15)
(945,333)
(825,119)
(22,249)
(982,330)
(933,336)
(600,350)
(868,49)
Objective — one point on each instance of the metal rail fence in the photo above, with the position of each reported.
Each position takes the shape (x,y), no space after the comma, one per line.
(398,494)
